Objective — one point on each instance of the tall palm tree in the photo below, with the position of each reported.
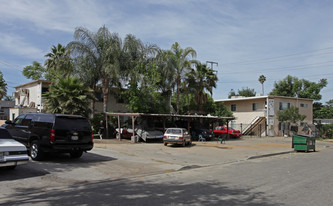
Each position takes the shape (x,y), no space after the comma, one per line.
(262,79)
(200,80)
(58,60)
(3,86)
(135,58)
(167,72)
(68,96)
(103,49)
(181,64)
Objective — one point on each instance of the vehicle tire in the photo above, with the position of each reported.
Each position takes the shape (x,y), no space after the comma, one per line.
(35,152)
(76,153)
(165,144)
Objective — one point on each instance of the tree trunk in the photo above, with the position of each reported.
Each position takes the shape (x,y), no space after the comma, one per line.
(262,89)
(178,83)
(105,87)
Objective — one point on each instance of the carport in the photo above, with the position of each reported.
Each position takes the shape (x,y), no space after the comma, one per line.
(134,116)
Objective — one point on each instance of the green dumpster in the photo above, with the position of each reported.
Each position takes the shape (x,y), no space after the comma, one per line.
(304,143)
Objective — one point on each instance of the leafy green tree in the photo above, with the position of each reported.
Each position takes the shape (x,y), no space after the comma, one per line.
(222,111)
(244,92)
(103,50)
(3,86)
(325,112)
(8,98)
(144,98)
(68,96)
(179,60)
(321,111)
(35,71)
(290,115)
(294,87)
(330,102)
(262,79)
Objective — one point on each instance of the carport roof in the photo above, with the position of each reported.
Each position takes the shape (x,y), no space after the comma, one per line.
(169,115)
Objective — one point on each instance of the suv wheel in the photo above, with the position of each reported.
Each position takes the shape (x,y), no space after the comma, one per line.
(35,152)
(76,153)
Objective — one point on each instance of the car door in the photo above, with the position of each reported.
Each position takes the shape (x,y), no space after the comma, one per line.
(15,127)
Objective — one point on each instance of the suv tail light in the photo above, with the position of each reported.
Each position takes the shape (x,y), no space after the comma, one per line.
(181,138)
(164,137)
(52,135)
(92,136)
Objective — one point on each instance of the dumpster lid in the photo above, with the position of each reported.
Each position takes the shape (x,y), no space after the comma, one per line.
(304,135)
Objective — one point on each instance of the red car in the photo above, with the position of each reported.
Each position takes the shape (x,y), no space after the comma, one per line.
(223,130)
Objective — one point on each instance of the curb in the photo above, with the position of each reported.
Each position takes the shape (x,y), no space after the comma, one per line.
(269,155)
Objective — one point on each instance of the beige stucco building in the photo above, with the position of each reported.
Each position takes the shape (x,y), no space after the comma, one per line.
(258,115)
(29,98)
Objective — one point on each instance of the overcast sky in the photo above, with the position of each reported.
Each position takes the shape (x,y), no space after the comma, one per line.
(247,38)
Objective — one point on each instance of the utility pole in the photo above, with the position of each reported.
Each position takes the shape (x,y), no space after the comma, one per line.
(211,66)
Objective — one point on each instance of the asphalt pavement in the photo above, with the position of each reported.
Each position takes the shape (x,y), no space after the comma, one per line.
(200,154)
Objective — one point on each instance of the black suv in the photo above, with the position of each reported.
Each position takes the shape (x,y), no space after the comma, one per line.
(42,133)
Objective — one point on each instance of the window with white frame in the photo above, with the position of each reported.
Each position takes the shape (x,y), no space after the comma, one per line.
(304,105)
(255,106)
(233,108)
(284,105)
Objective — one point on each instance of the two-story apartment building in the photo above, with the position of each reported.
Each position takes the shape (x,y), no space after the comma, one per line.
(29,98)
(258,115)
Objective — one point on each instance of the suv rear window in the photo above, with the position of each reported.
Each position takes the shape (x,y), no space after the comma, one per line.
(70,123)
(43,121)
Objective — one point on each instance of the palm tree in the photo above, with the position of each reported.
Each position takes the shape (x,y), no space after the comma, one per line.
(103,49)
(58,60)
(262,79)
(200,80)
(68,96)
(180,63)
(136,58)
(167,73)
(3,86)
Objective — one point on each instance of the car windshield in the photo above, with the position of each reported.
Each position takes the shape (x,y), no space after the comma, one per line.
(174,131)
(4,134)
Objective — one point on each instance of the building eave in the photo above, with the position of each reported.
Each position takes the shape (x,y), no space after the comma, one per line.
(33,82)
(260,97)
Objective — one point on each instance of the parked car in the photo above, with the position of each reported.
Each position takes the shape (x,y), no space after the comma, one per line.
(177,136)
(223,130)
(43,133)
(203,133)
(126,133)
(12,153)
(147,134)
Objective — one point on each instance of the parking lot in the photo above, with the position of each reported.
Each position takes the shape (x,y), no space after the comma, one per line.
(113,160)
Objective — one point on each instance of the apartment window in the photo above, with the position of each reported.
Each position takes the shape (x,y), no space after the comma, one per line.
(284,105)
(304,105)
(233,107)
(255,106)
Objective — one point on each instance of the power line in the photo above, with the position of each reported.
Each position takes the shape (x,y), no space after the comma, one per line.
(295,67)
(13,66)
(264,60)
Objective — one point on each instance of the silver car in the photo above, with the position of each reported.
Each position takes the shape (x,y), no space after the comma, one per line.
(12,153)
(177,136)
